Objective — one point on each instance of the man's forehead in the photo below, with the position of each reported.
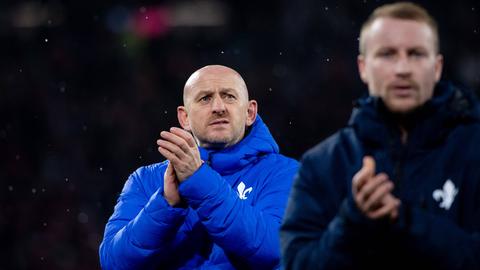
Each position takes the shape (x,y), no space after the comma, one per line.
(214,78)
(391,31)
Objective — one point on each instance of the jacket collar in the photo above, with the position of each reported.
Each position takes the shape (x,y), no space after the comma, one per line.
(427,126)
(257,142)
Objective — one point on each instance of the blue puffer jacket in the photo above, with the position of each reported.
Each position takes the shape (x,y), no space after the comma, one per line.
(436,176)
(236,201)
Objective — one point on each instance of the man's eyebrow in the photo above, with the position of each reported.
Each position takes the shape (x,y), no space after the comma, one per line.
(413,47)
(228,90)
(386,47)
(221,90)
(420,48)
(202,93)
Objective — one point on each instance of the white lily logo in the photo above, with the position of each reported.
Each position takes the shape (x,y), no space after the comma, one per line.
(242,192)
(447,195)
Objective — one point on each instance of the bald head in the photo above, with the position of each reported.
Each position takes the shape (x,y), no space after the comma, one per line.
(214,76)
(216,107)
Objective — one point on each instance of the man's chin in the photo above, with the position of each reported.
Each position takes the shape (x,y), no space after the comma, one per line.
(216,142)
(402,106)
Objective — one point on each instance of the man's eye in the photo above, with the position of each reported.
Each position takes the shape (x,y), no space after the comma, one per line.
(417,54)
(205,98)
(386,53)
(228,96)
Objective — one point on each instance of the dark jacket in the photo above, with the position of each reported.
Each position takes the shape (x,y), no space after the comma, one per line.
(236,201)
(436,176)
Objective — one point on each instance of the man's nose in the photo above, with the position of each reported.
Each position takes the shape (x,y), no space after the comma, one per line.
(218,106)
(403,66)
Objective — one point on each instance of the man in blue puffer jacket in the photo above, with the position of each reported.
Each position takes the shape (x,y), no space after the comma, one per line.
(399,187)
(216,206)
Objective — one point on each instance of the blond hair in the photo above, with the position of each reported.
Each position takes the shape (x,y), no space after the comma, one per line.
(402,11)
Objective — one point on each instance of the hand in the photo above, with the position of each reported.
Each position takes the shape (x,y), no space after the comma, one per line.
(179,147)
(170,186)
(372,193)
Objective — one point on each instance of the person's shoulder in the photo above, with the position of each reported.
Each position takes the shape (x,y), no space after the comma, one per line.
(341,141)
(474,126)
(150,170)
(148,176)
(279,161)
(468,138)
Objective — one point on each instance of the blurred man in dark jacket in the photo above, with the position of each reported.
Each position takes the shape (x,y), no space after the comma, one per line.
(399,187)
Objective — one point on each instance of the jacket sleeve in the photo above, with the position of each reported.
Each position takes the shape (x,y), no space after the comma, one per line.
(247,233)
(322,228)
(438,239)
(142,228)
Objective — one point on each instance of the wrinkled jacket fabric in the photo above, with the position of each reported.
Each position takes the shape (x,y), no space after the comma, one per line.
(436,176)
(235,202)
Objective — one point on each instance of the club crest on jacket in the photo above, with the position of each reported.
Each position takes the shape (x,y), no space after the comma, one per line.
(446,195)
(242,192)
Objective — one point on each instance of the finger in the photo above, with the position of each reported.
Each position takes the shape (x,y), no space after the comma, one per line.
(369,164)
(385,210)
(169,171)
(394,214)
(175,139)
(366,191)
(367,171)
(377,195)
(170,186)
(173,148)
(169,155)
(185,135)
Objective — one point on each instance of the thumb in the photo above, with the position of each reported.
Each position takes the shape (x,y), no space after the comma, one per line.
(169,171)
(369,165)
(366,172)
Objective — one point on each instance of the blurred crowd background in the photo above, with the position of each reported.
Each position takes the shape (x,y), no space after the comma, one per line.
(85,89)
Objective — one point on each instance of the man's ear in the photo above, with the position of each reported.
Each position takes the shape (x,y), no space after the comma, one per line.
(361,68)
(438,67)
(251,112)
(182,116)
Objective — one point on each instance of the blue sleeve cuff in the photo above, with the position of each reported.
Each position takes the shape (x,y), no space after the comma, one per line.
(200,186)
(160,211)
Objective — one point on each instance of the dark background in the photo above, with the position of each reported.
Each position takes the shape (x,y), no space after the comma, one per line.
(85,89)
